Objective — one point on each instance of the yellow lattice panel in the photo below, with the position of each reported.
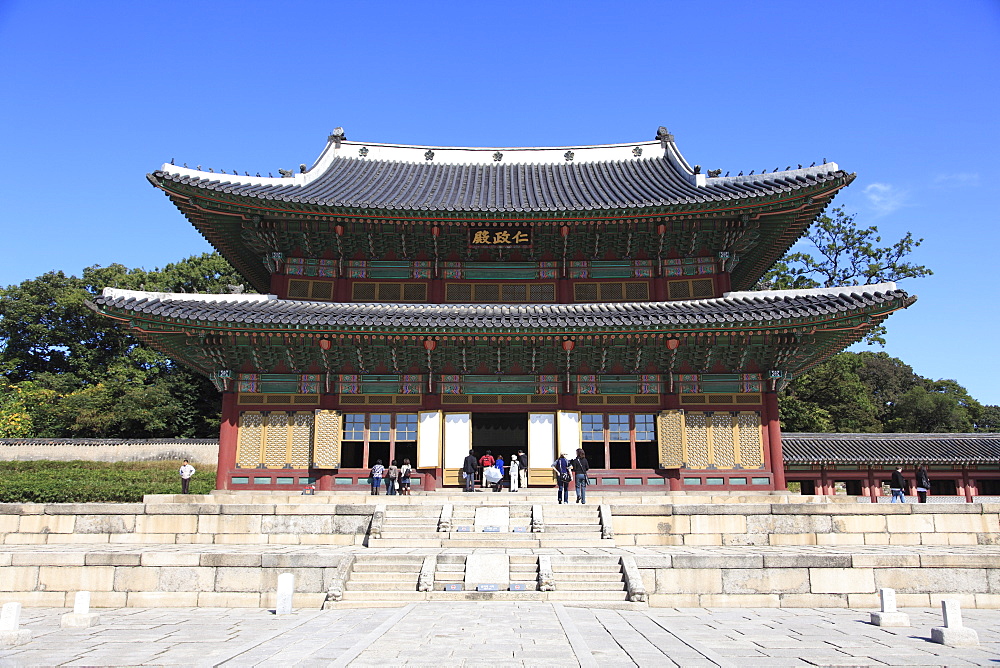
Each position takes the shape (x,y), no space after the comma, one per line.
(670,438)
(751,444)
(276,440)
(250,434)
(723,442)
(301,440)
(327,434)
(696,434)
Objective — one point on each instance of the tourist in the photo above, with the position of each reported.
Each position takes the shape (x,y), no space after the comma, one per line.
(923,483)
(522,468)
(897,485)
(391,474)
(186,472)
(515,467)
(404,478)
(377,472)
(500,465)
(469,471)
(485,462)
(561,467)
(580,467)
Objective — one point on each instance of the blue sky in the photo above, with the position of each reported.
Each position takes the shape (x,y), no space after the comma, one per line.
(906,94)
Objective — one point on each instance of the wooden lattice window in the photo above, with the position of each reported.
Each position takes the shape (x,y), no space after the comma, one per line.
(275,439)
(492,293)
(699,288)
(316,290)
(389,292)
(611,292)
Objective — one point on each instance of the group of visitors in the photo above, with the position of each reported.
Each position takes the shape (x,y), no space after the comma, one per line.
(898,485)
(573,469)
(397,478)
(492,471)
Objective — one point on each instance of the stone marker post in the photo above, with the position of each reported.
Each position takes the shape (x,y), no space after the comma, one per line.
(953,634)
(889,616)
(81,617)
(11,635)
(286,587)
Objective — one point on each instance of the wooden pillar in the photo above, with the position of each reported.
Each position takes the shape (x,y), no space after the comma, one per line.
(967,484)
(873,489)
(774,439)
(229,434)
(723,283)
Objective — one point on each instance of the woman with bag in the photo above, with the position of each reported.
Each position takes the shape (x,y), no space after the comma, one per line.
(404,478)
(561,467)
(580,467)
(515,467)
(376,476)
(391,474)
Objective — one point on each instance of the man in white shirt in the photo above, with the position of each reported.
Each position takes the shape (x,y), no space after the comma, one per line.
(186,472)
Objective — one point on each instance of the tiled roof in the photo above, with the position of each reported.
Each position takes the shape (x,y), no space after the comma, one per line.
(737,309)
(610,180)
(890,448)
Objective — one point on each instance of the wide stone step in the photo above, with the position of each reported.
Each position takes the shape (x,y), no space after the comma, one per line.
(509,544)
(387,562)
(589,586)
(395,519)
(587,576)
(384,585)
(394,533)
(362,596)
(574,542)
(404,542)
(571,528)
(384,576)
(567,595)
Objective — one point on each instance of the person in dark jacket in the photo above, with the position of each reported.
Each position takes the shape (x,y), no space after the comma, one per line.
(522,469)
(580,467)
(561,468)
(898,485)
(469,467)
(923,483)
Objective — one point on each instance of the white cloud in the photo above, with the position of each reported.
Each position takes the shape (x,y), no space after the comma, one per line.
(958,180)
(885,198)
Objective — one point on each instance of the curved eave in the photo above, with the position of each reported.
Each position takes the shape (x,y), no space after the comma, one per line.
(809,315)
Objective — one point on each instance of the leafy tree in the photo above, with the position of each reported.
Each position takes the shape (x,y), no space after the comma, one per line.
(988,419)
(830,397)
(842,253)
(86,375)
(940,406)
(15,421)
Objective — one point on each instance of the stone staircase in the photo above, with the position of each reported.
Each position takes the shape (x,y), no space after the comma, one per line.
(384,579)
(588,578)
(562,526)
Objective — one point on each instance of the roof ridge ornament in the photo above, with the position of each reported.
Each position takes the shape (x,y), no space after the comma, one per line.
(637,151)
(363,151)
(338,135)
(569,156)
(428,154)
(497,156)
(664,136)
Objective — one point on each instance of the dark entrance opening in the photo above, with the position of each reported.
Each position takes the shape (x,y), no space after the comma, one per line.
(500,433)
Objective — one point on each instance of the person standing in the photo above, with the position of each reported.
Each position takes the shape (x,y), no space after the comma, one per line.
(485,462)
(469,471)
(580,467)
(561,467)
(500,465)
(377,471)
(186,472)
(522,469)
(923,483)
(515,467)
(897,485)
(391,474)
(404,478)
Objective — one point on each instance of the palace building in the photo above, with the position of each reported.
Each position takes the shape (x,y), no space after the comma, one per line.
(415,302)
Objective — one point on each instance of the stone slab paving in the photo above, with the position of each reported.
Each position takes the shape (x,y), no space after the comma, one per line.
(502,634)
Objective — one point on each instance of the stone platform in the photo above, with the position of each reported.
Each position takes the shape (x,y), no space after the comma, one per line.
(620,550)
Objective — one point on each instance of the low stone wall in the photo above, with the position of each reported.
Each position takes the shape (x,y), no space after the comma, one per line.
(157,578)
(780,524)
(204,451)
(184,523)
(846,580)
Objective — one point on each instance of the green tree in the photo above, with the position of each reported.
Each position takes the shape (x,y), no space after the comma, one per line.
(940,406)
(86,375)
(840,253)
(830,397)
(15,420)
(988,419)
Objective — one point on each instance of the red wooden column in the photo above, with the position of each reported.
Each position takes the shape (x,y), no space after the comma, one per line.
(774,439)
(228,440)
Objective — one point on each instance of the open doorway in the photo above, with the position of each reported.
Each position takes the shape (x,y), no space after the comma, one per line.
(500,433)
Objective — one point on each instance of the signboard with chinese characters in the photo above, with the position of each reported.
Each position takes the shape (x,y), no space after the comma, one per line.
(500,236)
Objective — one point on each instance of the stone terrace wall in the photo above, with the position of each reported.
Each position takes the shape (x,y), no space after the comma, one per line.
(204,451)
(780,524)
(184,523)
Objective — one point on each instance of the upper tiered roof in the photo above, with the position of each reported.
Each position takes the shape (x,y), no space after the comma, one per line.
(357,175)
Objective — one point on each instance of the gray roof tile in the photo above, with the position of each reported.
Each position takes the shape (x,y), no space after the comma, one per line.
(890,448)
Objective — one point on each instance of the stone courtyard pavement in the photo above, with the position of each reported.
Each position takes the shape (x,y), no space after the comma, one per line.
(501,634)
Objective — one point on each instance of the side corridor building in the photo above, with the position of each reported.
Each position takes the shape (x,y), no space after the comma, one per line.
(415,302)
